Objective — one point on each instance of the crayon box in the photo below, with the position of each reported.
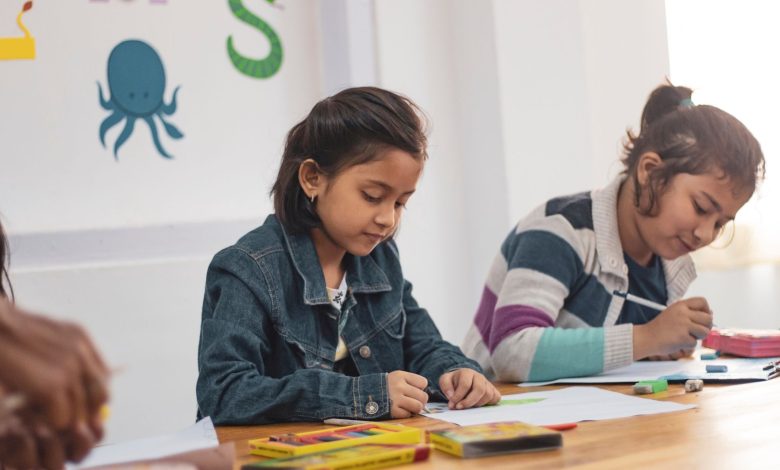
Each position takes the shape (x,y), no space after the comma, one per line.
(362,457)
(743,342)
(288,445)
(495,438)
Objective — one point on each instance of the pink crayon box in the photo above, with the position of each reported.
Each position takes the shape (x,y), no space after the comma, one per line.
(743,342)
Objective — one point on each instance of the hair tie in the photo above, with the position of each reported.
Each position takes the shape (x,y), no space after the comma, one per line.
(687,103)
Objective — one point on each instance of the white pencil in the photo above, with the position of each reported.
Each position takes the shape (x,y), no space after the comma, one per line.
(640,300)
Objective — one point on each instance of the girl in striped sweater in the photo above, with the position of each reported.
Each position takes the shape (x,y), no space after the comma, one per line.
(548,308)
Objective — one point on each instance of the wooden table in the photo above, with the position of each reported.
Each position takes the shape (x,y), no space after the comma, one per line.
(733,426)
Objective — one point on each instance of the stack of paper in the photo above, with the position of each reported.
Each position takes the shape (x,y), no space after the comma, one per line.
(567,405)
(196,446)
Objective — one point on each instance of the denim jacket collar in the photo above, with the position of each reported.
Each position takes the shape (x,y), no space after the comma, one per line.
(363,273)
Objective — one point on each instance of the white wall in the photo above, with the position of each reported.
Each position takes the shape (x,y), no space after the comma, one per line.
(422,53)
(574,77)
(529,100)
(745,297)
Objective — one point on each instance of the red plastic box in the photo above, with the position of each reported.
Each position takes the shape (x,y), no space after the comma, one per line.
(746,343)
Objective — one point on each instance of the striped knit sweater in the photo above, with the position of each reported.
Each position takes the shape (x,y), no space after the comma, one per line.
(547,309)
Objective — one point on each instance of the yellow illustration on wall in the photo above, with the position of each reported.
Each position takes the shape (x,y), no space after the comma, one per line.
(19,48)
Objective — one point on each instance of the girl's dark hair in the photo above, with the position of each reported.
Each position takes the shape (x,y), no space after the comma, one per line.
(6,291)
(349,128)
(690,139)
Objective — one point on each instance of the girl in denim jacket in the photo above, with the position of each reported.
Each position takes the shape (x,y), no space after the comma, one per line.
(309,316)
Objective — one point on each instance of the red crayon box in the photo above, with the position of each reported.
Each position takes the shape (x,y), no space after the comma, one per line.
(743,342)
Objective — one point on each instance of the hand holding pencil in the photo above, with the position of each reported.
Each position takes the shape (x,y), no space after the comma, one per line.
(407,393)
(674,331)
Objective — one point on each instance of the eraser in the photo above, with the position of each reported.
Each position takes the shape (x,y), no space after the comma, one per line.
(694,385)
(642,389)
(654,386)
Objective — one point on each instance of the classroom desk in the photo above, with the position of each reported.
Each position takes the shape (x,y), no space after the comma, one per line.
(733,426)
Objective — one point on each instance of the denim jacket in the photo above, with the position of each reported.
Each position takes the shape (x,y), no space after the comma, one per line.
(269,333)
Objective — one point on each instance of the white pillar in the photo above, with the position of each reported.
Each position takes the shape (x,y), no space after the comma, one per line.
(348,44)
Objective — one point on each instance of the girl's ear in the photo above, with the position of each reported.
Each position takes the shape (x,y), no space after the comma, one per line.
(310,178)
(648,162)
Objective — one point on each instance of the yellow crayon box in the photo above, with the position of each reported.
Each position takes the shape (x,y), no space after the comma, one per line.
(361,457)
(495,438)
(288,445)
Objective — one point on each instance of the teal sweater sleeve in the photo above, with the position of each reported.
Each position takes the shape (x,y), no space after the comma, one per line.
(568,352)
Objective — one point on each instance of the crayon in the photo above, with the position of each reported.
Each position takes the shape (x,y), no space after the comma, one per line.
(561,426)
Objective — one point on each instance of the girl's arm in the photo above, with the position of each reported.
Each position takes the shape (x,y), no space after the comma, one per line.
(233,389)
(236,344)
(530,280)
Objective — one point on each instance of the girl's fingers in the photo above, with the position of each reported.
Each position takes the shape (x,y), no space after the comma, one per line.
(463,383)
(411,405)
(416,394)
(18,448)
(79,441)
(486,398)
(50,449)
(496,396)
(447,384)
(474,394)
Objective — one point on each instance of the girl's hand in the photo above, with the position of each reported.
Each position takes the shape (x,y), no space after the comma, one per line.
(407,393)
(18,446)
(55,366)
(674,330)
(25,443)
(467,388)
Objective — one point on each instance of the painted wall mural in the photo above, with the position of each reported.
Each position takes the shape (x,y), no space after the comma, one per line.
(255,68)
(95,134)
(19,48)
(136,81)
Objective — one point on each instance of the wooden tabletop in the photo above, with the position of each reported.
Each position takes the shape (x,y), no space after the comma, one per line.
(732,426)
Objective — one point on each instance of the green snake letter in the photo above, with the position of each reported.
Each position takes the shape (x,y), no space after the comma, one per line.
(256,68)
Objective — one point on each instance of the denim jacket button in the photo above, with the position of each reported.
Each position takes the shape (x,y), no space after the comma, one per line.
(372,407)
(365,352)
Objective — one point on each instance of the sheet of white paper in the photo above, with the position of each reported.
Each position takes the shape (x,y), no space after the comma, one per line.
(200,435)
(738,369)
(567,405)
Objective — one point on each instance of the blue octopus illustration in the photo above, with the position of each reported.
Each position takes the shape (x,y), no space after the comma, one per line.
(136,80)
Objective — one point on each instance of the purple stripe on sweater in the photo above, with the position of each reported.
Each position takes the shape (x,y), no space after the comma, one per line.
(484,317)
(512,318)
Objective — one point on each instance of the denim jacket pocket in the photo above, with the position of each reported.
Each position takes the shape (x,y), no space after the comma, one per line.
(311,359)
(396,326)
(386,352)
